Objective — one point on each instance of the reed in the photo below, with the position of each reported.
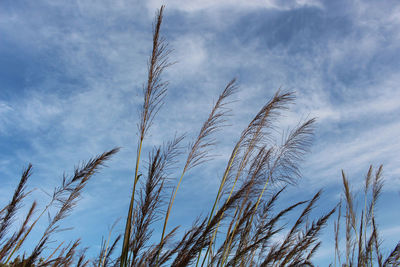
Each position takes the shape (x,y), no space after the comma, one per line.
(65,197)
(243,225)
(362,235)
(153,92)
(255,162)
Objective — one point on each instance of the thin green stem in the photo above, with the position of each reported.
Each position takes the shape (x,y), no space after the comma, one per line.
(169,212)
(216,202)
(27,232)
(128,227)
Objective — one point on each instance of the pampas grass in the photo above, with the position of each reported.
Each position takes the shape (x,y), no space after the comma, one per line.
(242,226)
(362,240)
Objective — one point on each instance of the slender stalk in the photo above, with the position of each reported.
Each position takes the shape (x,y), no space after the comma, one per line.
(242,164)
(27,233)
(254,129)
(198,152)
(54,252)
(154,93)
(215,203)
(258,200)
(227,249)
(228,232)
(128,227)
(168,213)
(106,248)
(255,208)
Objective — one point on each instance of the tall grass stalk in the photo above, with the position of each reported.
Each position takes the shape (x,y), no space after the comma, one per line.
(154,92)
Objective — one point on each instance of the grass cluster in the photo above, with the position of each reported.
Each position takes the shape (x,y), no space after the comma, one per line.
(242,226)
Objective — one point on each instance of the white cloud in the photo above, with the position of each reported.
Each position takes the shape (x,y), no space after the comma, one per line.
(4,109)
(354,154)
(199,5)
(190,54)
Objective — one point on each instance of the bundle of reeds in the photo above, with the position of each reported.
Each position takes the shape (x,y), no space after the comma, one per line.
(241,227)
(362,241)
(64,197)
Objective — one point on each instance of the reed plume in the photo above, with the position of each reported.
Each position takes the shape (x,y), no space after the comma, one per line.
(66,196)
(154,93)
(361,234)
(7,213)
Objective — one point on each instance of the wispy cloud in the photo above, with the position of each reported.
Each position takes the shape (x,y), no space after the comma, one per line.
(198,5)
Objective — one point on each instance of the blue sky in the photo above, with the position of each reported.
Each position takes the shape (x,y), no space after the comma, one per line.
(71,74)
